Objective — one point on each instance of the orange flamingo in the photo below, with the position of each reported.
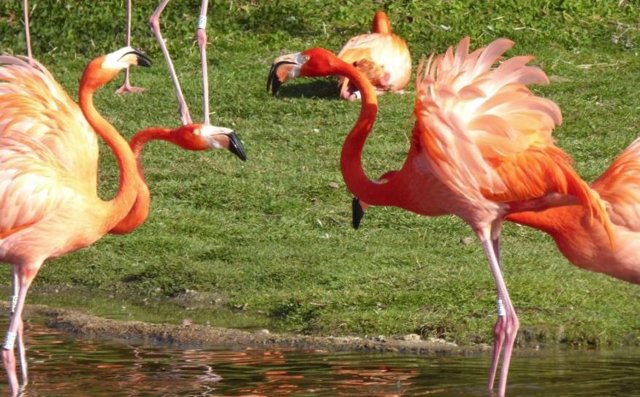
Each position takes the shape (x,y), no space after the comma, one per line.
(126,85)
(585,244)
(381,56)
(49,203)
(189,137)
(481,144)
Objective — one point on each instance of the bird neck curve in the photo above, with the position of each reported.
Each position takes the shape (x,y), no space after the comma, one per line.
(140,209)
(121,203)
(351,157)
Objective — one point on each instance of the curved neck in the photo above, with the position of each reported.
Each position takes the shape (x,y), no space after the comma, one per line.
(126,194)
(140,209)
(351,157)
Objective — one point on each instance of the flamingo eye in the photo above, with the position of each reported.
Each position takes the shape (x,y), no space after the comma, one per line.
(197,131)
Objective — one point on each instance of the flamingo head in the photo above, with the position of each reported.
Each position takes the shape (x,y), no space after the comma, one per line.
(315,62)
(103,69)
(206,137)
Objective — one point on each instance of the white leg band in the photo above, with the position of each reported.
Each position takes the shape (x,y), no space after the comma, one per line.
(10,341)
(500,308)
(202,22)
(14,303)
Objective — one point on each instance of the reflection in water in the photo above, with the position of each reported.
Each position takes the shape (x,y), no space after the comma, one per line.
(61,365)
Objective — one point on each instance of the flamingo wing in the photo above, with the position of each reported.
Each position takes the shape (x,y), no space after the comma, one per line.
(383,58)
(32,182)
(32,103)
(486,135)
(619,186)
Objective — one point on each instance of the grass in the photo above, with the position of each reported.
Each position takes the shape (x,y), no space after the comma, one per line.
(268,243)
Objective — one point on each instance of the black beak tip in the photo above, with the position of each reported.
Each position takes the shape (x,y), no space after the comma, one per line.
(236,147)
(356,213)
(142,58)
(273,83)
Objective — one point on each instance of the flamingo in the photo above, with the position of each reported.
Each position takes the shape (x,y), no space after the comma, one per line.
(49,203)
(585,244)
(481,145)
(381,56)
(126,85)
(193,137)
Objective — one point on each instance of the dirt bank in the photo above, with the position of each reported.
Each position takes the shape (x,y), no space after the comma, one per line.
(194,335)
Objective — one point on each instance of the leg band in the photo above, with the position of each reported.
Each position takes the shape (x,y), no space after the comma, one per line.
(10,341)
(14,303)
(202,22)
(500,308)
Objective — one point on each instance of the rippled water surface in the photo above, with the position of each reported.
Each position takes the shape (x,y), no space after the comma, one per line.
(62,365)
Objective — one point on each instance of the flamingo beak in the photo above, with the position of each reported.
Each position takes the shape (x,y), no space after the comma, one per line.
(236,147)
(283,68)
(357,212)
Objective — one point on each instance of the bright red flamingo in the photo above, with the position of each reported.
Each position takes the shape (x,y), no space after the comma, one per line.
(49,203)
(126,85)
(193,137)
(381,56)
(585,244)
(481,144)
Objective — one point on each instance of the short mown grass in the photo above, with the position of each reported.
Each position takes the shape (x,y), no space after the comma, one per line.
(268,243)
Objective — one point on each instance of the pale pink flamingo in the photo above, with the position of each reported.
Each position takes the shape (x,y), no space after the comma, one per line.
(49,204)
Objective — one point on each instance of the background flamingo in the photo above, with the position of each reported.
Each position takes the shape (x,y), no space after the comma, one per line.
(586,244)
(48,206)
(481,143)
(154,24)
(126,85)
(381,56)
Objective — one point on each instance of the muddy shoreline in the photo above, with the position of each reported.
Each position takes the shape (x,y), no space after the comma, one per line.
(202,336)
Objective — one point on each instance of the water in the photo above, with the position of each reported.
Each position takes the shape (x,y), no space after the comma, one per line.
(63,365)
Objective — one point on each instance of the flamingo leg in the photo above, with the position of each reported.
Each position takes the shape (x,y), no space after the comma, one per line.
(126,85)
(507,326)
(154,24)
(20,336)
(24,280)
(499,327)
(201,34)
(25,9)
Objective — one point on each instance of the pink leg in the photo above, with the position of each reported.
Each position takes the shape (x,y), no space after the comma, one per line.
(25,9)
(126,85)
(20,336)
(8,357)
(154,24)
(506,327)
(202,43)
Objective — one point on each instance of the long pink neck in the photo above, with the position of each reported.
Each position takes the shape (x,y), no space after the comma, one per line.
(119,206)
(140,210)
(351,158)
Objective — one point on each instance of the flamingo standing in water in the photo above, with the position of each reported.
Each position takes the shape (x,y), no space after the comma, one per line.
(586,244)
(381,56)
(49,204)
(126,85)
(481,144)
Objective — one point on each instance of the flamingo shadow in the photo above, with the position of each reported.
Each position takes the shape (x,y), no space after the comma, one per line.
(325,89)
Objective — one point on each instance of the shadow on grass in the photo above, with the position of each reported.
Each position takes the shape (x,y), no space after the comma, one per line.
(324,89)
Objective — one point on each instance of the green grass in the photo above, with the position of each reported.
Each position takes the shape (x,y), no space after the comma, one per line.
(268,243)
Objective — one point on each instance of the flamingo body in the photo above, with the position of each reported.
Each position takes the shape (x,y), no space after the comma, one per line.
(585,243)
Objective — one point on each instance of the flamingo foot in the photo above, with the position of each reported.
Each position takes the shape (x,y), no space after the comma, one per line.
(128,88)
